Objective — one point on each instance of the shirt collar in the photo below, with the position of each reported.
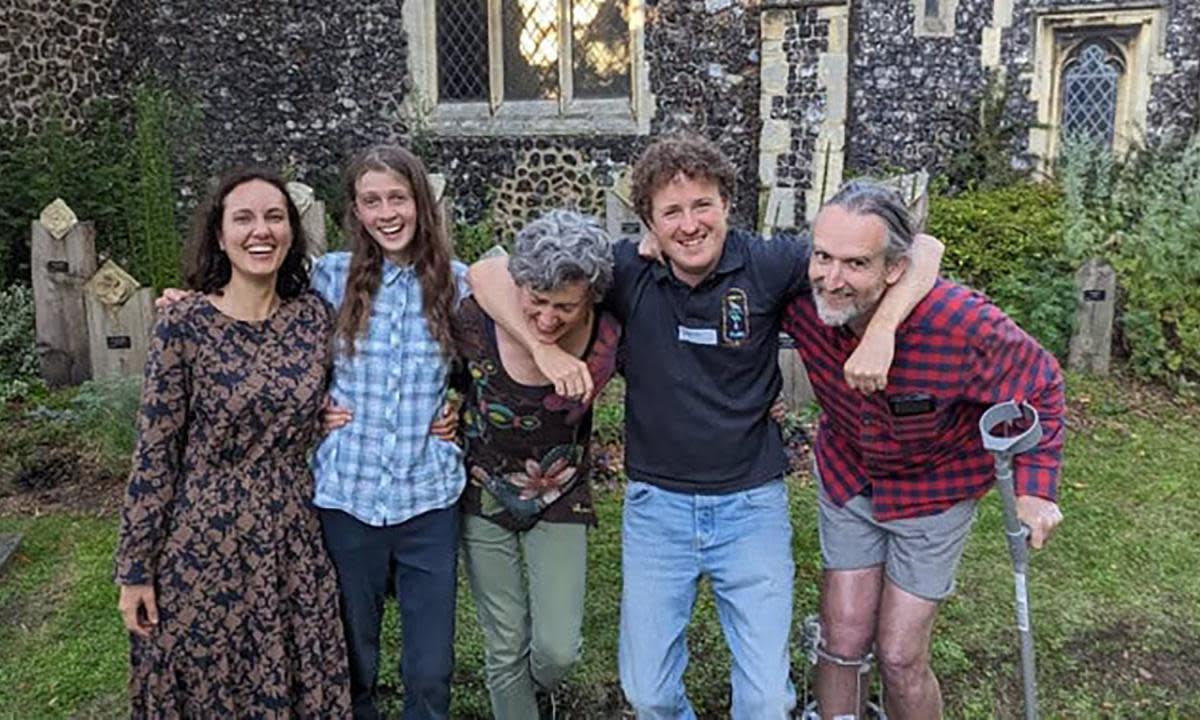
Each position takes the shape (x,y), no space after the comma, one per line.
(393,272)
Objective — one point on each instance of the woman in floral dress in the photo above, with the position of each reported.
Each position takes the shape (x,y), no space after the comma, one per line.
(226,588)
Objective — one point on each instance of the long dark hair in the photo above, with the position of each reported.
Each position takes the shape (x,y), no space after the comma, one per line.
(207,267)
(429,251)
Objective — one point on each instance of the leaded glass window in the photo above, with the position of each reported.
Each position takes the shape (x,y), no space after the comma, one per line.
(601,48)
(531,47)
(543,50)
(1089,86)
(462,50)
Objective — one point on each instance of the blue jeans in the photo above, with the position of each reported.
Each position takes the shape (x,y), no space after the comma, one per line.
(416,561)
(743,542)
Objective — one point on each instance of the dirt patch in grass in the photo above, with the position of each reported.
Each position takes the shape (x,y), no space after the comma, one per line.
(47,471)
(1127,653)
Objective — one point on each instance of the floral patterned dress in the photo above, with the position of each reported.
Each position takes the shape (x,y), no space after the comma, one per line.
(218,518)
(527,448)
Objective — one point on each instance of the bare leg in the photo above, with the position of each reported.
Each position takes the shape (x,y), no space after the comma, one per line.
(849,604)
(905,626)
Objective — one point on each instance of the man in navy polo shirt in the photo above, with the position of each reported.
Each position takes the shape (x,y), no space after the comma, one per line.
(705,464)
(900,470)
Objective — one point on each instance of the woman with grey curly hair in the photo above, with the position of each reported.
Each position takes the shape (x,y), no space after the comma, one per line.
(528,500)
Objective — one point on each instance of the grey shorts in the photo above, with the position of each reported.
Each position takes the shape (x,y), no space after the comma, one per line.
(919,555)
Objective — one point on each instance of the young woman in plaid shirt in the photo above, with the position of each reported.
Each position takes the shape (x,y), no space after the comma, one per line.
(387,488)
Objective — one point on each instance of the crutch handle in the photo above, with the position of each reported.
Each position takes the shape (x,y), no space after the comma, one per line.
(1006,412)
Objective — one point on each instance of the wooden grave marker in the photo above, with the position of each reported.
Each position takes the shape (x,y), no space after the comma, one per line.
(312,217)
(120,322)
(62,258)
(1095,295)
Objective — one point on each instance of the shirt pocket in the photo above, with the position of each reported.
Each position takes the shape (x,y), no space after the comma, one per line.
(917,431)
(904,444)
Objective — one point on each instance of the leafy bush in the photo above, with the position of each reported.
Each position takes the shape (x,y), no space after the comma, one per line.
(1142,215)
(990,141)
(118,172)
(18,354)
(472,240)
(105,412)
(1008,242)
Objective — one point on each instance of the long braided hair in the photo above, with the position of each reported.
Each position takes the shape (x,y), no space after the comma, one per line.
(429,251)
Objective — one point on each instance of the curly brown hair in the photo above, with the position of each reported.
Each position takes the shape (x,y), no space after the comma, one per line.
(207,269)
(694,157)
(430,251)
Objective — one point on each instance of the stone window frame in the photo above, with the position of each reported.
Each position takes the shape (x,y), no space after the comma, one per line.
(939,24)
(564,116)
(1137,33)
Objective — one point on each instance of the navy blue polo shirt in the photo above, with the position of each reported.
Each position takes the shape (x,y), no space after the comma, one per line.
(701,364)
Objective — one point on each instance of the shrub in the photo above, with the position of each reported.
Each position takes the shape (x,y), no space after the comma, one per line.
(472,240)
(1142,215)
(105,412)
(18,354)
(116,171)
(1008,242)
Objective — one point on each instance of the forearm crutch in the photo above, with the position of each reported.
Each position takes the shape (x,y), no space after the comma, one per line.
(995,426)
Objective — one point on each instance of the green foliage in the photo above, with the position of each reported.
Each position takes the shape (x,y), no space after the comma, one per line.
(155,245)
(472,240)
(18,354)
(327,185)
(608,413)
(1008,243)
(105,411)
(1111,596)
(114,170)
(1142,215)
(985,160)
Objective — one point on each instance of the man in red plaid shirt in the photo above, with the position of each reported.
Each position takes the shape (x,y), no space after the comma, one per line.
(900,469)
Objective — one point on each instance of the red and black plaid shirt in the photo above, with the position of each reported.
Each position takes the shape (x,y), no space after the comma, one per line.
(964,354)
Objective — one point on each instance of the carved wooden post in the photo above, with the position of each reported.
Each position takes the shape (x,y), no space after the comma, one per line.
(914,188)
(120,319)
(62,258)
(312,217)
(1095,294)
(437,183)
(620,218)
(797,391)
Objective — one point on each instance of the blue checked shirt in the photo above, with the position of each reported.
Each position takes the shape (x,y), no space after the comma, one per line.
(384,467)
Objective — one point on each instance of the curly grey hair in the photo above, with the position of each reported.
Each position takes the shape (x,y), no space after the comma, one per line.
(560,247)
(870,197)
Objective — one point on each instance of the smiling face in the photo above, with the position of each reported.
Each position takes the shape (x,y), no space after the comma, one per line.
(848,270)
(553,315)
(689,217)
(255,231)
(384,204)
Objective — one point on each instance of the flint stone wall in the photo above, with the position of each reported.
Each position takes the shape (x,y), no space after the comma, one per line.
(51,58)
(908,93)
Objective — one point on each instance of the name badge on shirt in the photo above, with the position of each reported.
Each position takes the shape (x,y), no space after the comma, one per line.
(698,336)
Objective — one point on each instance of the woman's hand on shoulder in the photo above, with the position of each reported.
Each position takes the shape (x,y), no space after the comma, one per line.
(169,297)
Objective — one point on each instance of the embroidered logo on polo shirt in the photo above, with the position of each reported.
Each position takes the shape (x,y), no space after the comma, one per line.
(735,317)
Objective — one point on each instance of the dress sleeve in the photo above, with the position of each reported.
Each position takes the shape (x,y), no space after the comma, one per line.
(158,456)
(1008,364)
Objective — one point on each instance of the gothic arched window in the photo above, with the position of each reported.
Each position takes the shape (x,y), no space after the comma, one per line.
(1090,81)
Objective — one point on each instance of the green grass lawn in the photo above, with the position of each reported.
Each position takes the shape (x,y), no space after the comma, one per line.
(1115,598)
